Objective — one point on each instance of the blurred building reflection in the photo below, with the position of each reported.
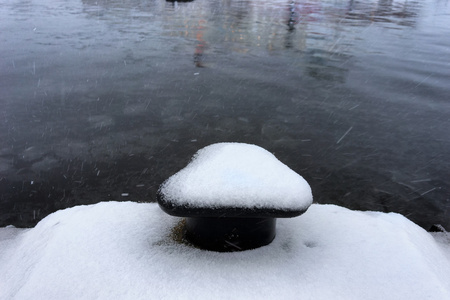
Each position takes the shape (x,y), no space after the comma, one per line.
(201,45)
(313,29)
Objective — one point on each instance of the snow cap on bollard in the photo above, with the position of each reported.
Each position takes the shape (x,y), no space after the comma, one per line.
(231,195)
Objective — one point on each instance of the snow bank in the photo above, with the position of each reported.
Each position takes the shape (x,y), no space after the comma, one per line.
(237,175)
(125,251)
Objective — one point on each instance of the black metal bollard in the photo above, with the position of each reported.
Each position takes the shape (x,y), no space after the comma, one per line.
(230,234)
(228,226)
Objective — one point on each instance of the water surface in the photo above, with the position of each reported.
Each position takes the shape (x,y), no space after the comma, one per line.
(103,100)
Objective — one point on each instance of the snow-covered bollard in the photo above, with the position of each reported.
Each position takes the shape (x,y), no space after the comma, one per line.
(231,195)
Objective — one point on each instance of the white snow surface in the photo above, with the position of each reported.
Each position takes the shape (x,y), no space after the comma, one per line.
(124,250)
(237,175)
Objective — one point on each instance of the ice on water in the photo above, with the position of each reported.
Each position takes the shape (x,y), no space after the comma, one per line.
(237,175)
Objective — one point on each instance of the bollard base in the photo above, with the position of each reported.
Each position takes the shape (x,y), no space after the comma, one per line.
(230,234)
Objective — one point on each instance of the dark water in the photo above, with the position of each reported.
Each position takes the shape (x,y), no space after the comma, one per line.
(103,100)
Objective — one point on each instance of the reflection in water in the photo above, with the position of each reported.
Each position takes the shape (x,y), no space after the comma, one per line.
(348,94)
(292,16)
(175,1)
(402,13)
(291,25)
(201,45)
